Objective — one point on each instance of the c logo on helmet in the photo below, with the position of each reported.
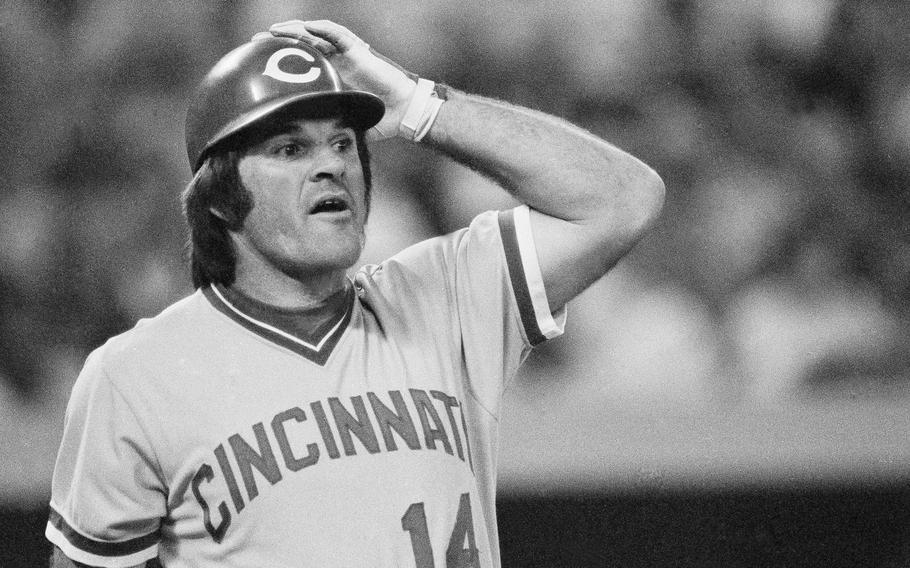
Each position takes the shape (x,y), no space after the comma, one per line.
(272,70)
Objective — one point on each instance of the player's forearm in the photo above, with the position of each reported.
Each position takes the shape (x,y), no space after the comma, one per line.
(547,163)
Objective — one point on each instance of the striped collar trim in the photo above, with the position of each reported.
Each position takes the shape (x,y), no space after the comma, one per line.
(318,352)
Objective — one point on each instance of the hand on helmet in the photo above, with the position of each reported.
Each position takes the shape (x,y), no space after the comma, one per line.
(359,67)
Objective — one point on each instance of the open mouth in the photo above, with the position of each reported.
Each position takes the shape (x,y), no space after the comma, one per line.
(330,205)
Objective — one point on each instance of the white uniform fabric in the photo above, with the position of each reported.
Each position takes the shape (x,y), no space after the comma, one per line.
(208,438)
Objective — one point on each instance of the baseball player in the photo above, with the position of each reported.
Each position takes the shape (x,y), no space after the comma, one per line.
(286,415)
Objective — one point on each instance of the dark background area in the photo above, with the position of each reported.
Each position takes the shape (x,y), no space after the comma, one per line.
(734,528)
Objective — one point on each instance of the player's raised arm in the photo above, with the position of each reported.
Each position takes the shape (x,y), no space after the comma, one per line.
(590,201)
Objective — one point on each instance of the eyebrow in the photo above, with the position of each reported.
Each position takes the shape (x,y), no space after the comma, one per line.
(262,133)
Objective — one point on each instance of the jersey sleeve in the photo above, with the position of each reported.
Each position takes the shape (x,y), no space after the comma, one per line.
(501,303)
(495,274)
(107,497)
(526,279)
(483,286)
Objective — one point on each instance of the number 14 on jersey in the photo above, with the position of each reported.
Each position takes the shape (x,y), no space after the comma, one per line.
(462,550)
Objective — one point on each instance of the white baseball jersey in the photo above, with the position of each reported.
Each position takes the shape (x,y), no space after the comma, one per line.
(213,435)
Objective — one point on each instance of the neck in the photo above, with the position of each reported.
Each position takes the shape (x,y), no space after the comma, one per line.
(283,291)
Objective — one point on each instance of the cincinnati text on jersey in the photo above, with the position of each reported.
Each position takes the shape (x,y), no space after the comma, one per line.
(299,448)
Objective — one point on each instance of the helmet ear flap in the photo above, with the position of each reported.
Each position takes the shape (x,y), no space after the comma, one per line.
(263,77)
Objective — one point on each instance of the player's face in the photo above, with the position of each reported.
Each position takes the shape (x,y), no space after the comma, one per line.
(309,201)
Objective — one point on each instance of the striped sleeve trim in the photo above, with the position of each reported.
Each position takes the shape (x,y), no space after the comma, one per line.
(83,549)
(527,280)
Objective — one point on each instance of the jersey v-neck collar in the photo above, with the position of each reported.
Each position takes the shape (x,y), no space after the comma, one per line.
(310,333)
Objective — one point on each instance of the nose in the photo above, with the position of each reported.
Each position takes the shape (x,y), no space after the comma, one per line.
(327,164)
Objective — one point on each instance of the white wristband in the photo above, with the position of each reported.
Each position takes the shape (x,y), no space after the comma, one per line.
(430,113)
(421,112)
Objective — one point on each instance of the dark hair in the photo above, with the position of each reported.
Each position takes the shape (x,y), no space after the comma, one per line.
(217,187)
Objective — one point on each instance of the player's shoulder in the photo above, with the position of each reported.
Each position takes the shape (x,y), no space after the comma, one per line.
(425,275)
(431,255)
(157,334)
(125,362)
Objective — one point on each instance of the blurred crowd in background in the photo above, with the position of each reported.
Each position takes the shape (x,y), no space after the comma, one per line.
(780,268)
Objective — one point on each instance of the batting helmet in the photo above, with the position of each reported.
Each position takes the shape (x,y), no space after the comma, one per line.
(265,76)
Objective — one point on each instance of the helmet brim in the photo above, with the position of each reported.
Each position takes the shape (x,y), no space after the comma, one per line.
(357,109)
